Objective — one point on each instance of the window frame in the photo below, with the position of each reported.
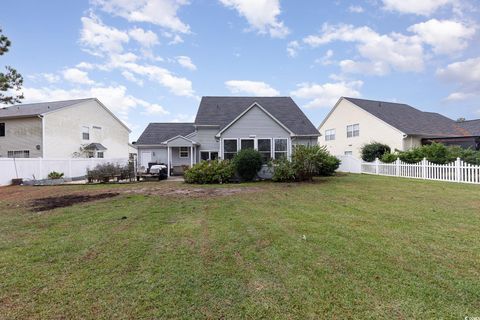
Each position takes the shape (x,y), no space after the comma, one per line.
(275,151)
(348,153)
(100,153)
(247,139)
(353,130)
(228,152)
(180,151)
(209,152)
(264,152)
(3,129)
(87,133)
(329,136)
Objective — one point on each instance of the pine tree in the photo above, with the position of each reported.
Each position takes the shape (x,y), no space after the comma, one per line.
(11,80)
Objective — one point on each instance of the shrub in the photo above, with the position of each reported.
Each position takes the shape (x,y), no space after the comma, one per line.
(284,170)
(55,175)
(374,150)
(311,161)
(440,154)
(247,163)
(104,172)
(207,172)
(389,157)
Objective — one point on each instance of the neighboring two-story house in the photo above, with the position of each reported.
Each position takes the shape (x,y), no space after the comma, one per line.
(225,125)
(62,129)
(353,123)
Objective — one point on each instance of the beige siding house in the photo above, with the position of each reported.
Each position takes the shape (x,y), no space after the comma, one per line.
(353,123)
(62,129)
(225,125)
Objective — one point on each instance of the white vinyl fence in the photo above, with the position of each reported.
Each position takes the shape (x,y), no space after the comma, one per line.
(38,168)
(350,164)
(457,171)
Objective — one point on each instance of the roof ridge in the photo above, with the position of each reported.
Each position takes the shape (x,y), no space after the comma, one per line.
(45,102)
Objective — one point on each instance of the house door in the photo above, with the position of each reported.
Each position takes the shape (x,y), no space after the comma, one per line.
(146,158)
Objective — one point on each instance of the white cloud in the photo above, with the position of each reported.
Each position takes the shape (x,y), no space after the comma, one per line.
(378,68)
(85,65)
(355,9)
(262,15)
(466,75)
(393,51)
(256,88)
(75,75)
(418,7)
(153,109)
(145,38)
(99,37)
(445,36)
(292,48)
(42,77)
(327,94)
(326,59)
(131,77)
(186,62)
(163,13)
(182,117)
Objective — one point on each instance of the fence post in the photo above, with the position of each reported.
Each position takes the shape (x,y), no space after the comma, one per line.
(376,166)
(458,170)
(424,168)
(397,165)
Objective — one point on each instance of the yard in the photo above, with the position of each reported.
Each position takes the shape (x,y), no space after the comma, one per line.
(352,246)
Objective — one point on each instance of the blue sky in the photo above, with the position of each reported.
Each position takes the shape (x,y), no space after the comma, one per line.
(151,60)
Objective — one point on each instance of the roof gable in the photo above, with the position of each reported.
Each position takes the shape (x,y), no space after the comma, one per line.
(158,133)
(222,111)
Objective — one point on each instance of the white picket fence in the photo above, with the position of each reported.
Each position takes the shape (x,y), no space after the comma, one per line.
(457,171)
(39,168)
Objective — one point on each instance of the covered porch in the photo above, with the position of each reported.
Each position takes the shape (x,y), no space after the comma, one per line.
(181,154)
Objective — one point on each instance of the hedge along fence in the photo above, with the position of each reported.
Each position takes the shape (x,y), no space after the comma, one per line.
(457,171)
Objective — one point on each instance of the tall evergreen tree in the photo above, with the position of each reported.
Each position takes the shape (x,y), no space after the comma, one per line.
(11,80)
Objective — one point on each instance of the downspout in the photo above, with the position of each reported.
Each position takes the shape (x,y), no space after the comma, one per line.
(43,134)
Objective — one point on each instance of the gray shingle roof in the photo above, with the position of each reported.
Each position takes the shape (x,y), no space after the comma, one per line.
(156,133)
(473,126)
(34,109)
(223,110)
(410,120)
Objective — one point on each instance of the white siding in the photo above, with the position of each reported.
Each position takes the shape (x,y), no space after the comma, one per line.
(22,134)
(371,129)
(63,131)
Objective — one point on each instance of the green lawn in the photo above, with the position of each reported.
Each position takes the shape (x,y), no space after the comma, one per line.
(343,247)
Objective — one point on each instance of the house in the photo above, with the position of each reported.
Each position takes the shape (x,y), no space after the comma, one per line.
(62,129)
(354,122)
(225,125)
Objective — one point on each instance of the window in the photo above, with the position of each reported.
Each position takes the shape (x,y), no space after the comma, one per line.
(183,153)
(247,144)
(265,149)
(99,154)
(208,155)
(2,129)
(229,148)
(280,148)
(85,133)
(329,134)
(353,130)
(18,154)
(348,153)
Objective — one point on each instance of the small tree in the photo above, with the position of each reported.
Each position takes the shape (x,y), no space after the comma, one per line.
(10,80)
(247,163)
(374,150)
(311,161)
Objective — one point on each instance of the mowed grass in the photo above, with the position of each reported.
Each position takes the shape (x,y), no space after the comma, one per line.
(346,247)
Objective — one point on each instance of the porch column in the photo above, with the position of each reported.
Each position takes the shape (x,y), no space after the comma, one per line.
(191,156)
(168,161)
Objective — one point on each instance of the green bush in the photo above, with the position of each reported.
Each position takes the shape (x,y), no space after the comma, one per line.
(311,161)
(440,154)
(207,172)
(247,163)
(104,172)
(55,175)
(389,157)
(374,150)
(284,170)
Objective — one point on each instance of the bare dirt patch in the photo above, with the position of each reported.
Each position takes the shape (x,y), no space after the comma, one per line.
(193,192)
(50,203)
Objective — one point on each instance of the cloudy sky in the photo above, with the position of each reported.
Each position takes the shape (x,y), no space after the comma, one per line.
(152,60)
